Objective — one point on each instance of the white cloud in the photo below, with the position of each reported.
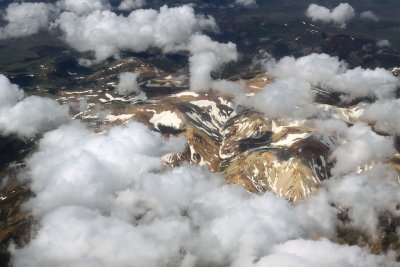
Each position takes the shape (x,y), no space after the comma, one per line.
(359,82)
(10,93)
(330,127)
(33,115)
(207,56)
(284,98)
(384,115)
(229,88)
(368,194)
(313,253)
(340,15)
(315,68)
(107,33)
(25,19)
(362,147)
(330,73)
(362,182)
(291,95)
(245,2)
(319,13)
(27,117)
(101,196)
(383,43)
(128,83)
(369,15)
(106,163)
(84,237)
(82,7)
(131,4)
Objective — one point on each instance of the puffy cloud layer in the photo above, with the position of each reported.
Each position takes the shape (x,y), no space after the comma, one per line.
(128,83)
(98,197)
(292,94)
(102,164)
(340,15)
(27,117)
(107,33)
(330,73)
(25,19)
(105,200)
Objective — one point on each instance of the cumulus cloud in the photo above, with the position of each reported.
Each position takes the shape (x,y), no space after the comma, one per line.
(128,83)
(383,43)
(292,95)
(27,117)
(98,197)
(88,238)
(284,98)
(206,56)
(230,88)
(315,253)
(315,68)
(330,73)
(362,182)
(245,2)
(82,7)
(384,115)
(359,82)
(119,158)
(107,33)
(33,115)
(330,127)
(10,93)
(25,19)
(368,194)
(369,15)
(340,15)
(362,147)
(131,4)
